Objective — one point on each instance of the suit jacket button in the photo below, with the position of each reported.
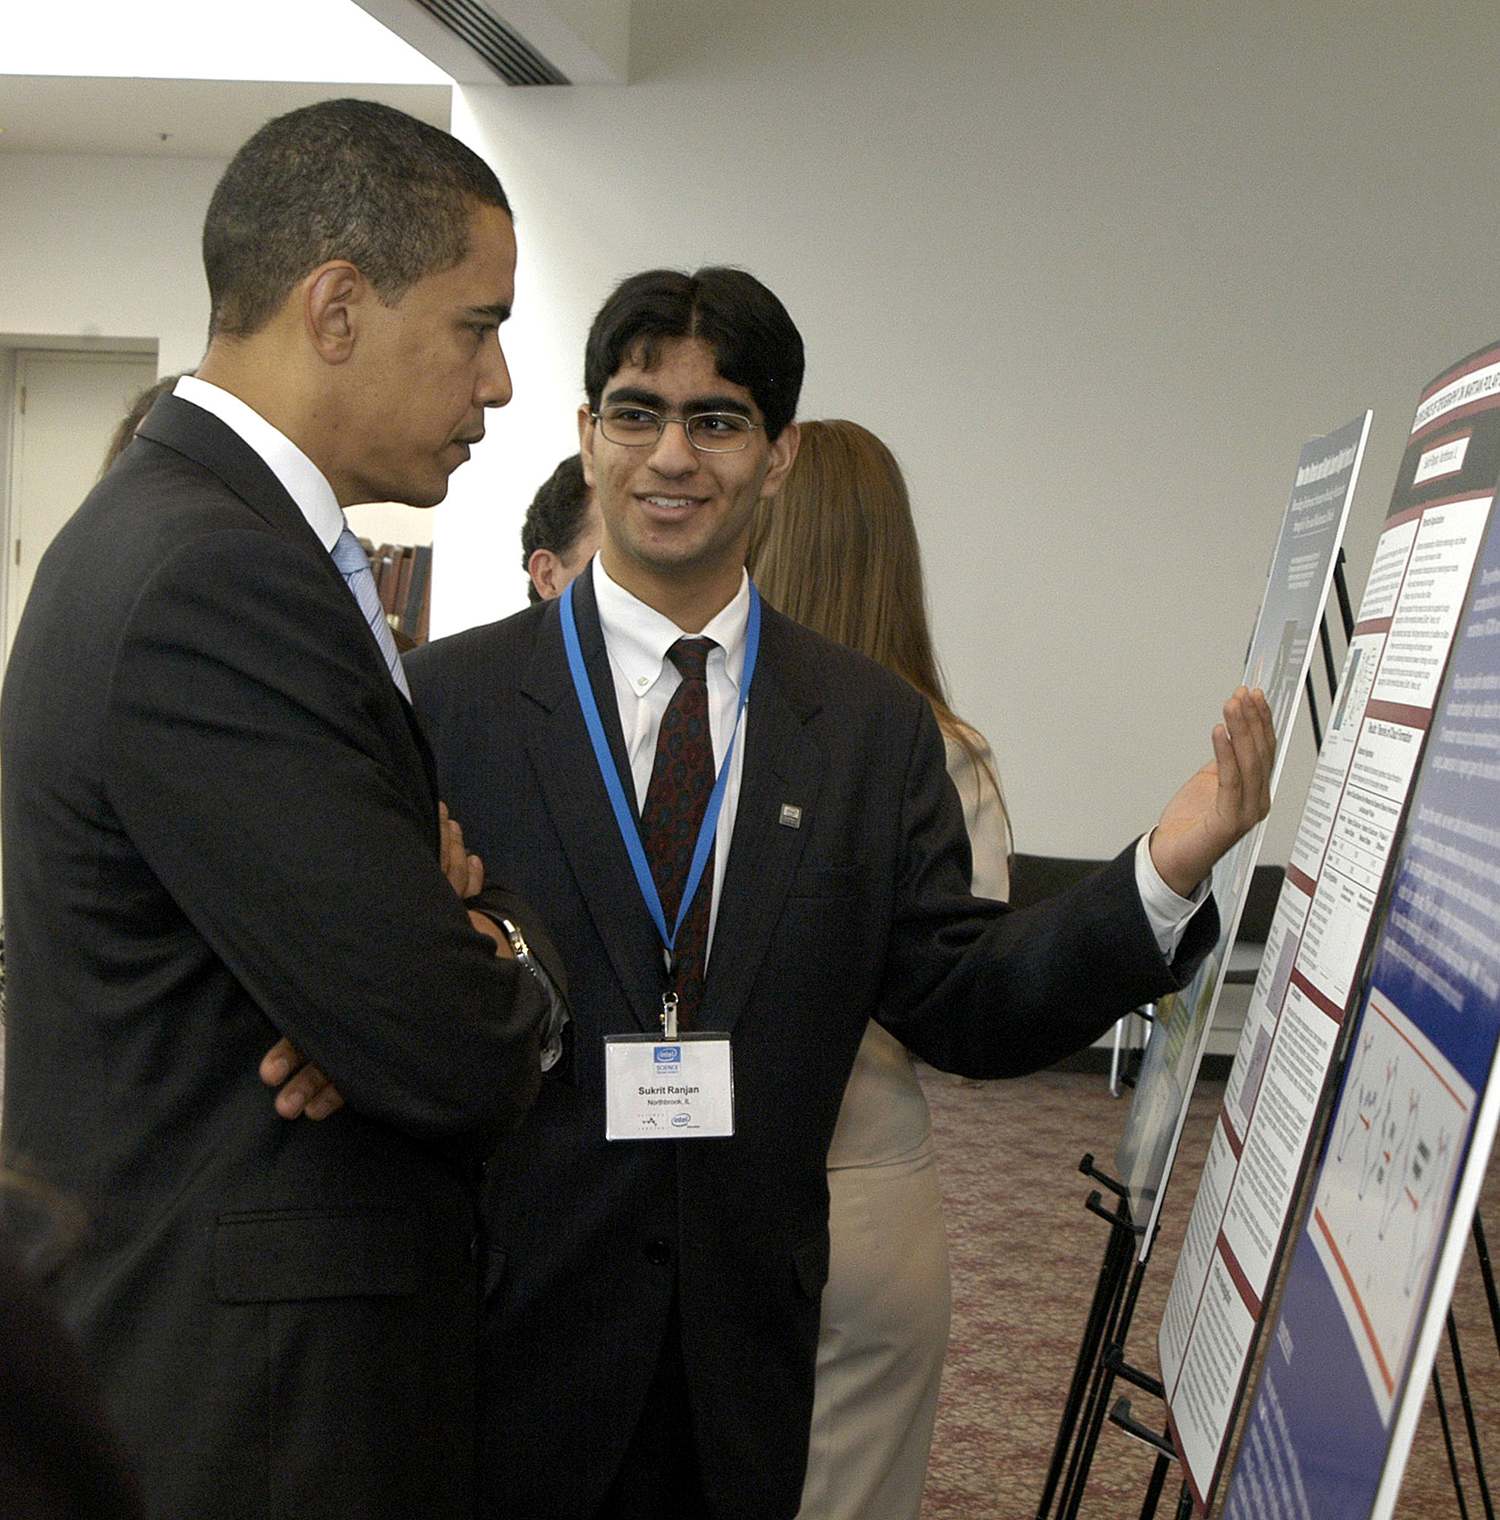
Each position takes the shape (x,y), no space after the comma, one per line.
(657,1252)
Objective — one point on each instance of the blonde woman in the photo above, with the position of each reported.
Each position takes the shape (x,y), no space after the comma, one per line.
(837,551)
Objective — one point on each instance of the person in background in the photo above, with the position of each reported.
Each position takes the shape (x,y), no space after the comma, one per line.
(837,551)
(135,415)
(561,532)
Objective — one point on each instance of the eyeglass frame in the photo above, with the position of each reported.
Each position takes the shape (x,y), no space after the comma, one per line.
(684,423)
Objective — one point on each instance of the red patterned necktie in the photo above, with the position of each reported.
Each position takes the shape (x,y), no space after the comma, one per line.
(682,776)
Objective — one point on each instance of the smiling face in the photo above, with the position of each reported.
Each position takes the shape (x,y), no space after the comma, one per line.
(423,371)
(676,519)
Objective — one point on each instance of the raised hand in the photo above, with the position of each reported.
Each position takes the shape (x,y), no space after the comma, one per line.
(1223,801)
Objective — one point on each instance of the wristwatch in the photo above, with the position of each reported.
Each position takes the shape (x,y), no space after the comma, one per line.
(557,1006)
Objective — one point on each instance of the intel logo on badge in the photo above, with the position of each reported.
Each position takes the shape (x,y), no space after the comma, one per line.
(668,1057)
(680,1119)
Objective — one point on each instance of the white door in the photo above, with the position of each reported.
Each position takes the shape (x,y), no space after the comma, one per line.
(66,409)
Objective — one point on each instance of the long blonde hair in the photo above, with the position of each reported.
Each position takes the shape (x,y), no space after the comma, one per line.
(837,551)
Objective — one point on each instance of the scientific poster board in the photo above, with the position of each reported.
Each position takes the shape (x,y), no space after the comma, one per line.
(1312,528)
(1402,639)
(1372,1272)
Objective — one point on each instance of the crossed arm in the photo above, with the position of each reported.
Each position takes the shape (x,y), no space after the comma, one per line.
(309,1093)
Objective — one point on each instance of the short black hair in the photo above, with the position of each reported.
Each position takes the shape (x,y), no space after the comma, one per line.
(342,179)
(755,342)
(555,517)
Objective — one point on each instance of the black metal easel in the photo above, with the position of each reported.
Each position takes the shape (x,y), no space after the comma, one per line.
(1461,1379)
(1073,1449)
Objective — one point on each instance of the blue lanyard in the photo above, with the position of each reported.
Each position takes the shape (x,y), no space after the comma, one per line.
(609,773)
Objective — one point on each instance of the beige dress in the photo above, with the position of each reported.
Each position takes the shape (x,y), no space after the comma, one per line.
(885,1310)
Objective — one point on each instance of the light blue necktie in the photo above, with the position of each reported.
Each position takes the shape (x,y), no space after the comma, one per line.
(354,563)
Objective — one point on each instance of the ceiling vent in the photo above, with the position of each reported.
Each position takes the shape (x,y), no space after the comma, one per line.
(506,51)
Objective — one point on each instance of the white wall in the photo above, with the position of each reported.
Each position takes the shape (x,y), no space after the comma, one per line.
(1095,272)
(106,247)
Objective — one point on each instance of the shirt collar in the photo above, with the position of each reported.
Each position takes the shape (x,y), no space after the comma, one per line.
(638,637)
(305,483)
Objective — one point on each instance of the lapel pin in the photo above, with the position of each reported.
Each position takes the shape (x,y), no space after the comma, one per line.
(791,817)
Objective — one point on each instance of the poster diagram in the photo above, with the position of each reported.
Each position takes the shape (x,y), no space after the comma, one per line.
(1383,1191)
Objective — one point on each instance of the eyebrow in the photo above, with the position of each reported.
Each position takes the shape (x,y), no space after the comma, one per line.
(500,312)
(637,395)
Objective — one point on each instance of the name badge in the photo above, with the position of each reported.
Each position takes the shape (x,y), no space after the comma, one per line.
(657,1089)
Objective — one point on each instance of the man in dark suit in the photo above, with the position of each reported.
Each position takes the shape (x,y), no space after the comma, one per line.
(652,1310)
(222,828)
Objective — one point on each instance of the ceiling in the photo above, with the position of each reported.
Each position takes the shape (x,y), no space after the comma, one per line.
(83,113)
(177,118)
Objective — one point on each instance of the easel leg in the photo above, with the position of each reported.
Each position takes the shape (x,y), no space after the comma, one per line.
(1112,1274)
(1481,1246)
(1442,1409)
(1468,1407)
(1154,1487)
(1098,1406)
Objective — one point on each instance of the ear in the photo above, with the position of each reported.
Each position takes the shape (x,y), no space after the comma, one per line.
(586,443)
(780,457)
(333,299)
(543,568)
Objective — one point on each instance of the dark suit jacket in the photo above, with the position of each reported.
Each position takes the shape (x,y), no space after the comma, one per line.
(862,910)
(221,827)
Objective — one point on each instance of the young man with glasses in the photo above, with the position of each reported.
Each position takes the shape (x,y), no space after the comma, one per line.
(658,1232)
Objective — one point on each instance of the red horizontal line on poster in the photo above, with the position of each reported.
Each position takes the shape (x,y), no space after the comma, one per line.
(1231,1135)
(1399,712)
(1322,1000)
(1238,1278)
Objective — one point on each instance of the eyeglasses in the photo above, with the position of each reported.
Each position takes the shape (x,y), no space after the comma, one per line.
(635,427)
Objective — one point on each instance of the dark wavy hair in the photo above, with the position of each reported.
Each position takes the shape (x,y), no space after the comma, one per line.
(755,343)
(555,517)
(342,179)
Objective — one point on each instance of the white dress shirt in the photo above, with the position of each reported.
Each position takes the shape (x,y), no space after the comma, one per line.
(637,638)
(305,483)
(308,487)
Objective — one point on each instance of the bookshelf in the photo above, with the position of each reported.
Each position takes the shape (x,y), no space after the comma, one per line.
(403,578)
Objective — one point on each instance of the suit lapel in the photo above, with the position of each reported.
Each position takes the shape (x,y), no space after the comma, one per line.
(212,444)
(562,758)
(215,446)
(782,769)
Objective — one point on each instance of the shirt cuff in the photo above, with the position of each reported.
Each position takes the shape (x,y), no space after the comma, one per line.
(1166,912)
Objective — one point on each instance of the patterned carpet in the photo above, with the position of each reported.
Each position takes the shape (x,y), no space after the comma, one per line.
(1026,1255)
